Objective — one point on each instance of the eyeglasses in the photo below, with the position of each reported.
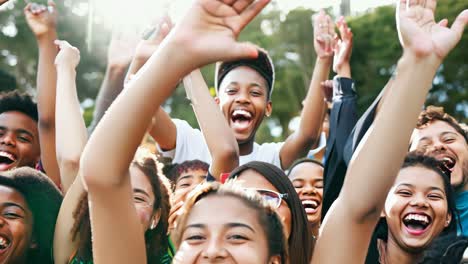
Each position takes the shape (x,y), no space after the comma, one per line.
(271,197)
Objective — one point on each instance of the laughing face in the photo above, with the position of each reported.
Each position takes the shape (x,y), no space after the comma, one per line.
(416,209)
(307,178)
(243,98)
(19,141)
(16,222)
(443,142)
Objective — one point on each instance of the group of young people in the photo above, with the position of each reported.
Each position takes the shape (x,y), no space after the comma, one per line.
(382,191)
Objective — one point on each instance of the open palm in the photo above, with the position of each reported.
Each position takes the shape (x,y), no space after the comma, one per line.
(419,32)
(211,29)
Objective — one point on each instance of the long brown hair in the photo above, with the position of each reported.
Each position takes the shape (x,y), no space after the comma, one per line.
(157,241)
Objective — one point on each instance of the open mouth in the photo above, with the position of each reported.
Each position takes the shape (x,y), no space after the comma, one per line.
(417,223)
(449,162)
(310,206)
(241,119)
(6,160)
(4,243)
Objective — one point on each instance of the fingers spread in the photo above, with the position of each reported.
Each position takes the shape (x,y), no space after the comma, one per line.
(250,12)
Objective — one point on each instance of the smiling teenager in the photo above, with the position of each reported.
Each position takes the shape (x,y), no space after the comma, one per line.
(419,206)
(271,182)
(307,177)
(247,229)
(19,136)
(29,204)
(441,136)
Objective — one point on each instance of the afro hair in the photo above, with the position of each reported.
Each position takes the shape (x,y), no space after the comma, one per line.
(18,101)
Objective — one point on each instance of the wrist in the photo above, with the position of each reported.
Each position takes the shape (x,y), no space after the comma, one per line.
(325,61)
(411,59)
(344,70)
(66,68)
(47,37)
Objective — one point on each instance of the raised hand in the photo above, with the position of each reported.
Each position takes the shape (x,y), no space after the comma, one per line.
(343,48)
(152,37)
(41,19)
(211,27)
(68,55)
(121,49)
(419,32)
(324,35)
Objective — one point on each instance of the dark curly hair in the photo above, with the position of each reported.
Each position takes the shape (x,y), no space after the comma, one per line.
(18,101)
(434,113)
(157,241)
(185,166)
(44,200)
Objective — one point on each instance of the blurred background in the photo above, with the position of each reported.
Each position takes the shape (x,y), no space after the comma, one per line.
(284,29)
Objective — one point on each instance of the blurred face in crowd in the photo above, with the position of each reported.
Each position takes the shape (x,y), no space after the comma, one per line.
(19,141)
(235,235)
(16,225)
(243,98)
(190,178)
(143,198)
(416,209)
(443,142)
(307,178)
(252,179)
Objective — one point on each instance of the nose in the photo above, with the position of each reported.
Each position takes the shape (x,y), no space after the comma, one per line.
(2,221)
(8,139)
(243,96)
(419,200)
(215,250)
(309,189)
(437,146)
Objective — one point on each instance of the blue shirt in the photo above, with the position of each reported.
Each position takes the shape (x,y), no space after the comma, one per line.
(462,207)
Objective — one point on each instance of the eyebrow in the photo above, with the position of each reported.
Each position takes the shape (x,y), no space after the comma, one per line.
(230,225)
(138,190)
(10,204)
(430,188)
(19,130)
(440,135)
(185,177)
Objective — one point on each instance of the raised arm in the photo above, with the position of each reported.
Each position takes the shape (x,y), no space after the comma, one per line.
(211,27)
(119,55)
(71,136)
(352,218)
(221,142)
(42,20)
(299,143)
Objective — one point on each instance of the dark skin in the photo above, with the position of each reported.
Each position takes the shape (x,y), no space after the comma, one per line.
(19,140)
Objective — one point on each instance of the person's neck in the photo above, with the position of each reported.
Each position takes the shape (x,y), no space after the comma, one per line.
(246,148)
(314,229)
(396,255)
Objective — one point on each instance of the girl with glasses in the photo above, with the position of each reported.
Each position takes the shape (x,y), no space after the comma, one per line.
(274,185)
(246,228)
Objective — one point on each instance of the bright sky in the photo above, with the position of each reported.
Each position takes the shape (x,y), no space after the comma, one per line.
(110,9)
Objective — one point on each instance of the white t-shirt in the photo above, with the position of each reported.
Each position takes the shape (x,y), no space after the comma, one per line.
(190,145)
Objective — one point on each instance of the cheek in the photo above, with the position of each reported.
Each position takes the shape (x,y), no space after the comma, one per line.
(186,254)
(144,214)
(392,205)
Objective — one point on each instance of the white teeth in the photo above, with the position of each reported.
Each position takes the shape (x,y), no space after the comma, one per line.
(3,242)
(242,113)
(310,202)
(7,155)
(417,217)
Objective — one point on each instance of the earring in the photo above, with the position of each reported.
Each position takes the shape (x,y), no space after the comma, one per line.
(153,225)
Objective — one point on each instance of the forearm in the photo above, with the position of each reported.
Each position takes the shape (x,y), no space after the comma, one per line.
(111,87)
(401,107)
(224,149)
(69,125)
(344,70)
(136,105)
(46,80)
